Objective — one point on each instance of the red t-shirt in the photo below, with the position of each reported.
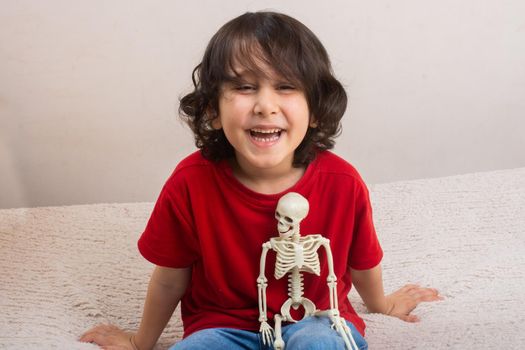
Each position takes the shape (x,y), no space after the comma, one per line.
(206,219)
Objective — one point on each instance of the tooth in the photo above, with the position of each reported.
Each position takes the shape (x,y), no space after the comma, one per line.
(270,131)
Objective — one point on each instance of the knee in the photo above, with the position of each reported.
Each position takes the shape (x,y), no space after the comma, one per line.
(317,334)
(315,342)
(202,340)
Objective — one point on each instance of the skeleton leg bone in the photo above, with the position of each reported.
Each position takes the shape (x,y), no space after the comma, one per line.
(278,344)
(339,324)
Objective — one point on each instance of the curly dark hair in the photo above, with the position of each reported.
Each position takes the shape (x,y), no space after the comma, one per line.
(293,51)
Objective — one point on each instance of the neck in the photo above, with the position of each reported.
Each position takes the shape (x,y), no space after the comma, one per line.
(267,181)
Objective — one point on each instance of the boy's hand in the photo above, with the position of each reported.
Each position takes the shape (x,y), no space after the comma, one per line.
(108,337)
(403,301)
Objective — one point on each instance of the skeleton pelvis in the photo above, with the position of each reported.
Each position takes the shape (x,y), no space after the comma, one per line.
(307,304)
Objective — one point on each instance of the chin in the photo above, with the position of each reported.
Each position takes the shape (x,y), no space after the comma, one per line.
(267,161)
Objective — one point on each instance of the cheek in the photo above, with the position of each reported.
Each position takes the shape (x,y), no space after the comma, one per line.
(299,109)
(301,121)
(234,112)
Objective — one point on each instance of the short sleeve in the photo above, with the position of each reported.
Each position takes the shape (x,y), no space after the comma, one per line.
(365,252)
(169,239)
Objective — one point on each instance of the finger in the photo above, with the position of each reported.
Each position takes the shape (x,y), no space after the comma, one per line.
(427,294)
(101,336)
(436,294)
(100,329)
(94,337)
(409,318)
(409,287)
(431,297)
(430,290)
(86,333)
(89,336)
(267,338)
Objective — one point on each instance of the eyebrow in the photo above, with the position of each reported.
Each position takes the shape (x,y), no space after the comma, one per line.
(240,73)
(239,77)
(244,74)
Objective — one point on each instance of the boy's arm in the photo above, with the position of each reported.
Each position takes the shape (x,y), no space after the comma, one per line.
(165,289)
(369,285)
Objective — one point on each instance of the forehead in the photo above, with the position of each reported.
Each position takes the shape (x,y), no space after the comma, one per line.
(247,59)
(262,71)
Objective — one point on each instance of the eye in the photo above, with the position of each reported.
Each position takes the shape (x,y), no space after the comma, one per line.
(285,86)
(245,87)
(288,220)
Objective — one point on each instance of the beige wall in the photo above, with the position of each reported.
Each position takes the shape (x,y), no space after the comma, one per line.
(88,89)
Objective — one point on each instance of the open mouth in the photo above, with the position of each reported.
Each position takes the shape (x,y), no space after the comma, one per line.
(265,135)
(283,232)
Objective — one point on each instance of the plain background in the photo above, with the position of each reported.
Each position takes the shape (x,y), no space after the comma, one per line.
(89,89)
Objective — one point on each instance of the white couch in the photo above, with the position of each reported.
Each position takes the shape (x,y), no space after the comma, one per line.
(64,269)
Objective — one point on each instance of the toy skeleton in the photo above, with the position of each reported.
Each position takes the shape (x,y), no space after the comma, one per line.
(295,255)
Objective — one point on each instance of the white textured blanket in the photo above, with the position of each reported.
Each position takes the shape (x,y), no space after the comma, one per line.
(63,269)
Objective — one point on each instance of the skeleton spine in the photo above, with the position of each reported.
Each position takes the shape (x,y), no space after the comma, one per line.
(295,286)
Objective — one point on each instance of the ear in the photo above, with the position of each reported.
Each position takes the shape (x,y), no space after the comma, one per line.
(216,123)
(313,123)
(214,120)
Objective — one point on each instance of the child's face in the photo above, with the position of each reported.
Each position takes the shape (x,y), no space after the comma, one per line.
(264,119)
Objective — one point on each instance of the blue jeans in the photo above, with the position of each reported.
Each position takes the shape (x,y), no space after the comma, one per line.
(312,333)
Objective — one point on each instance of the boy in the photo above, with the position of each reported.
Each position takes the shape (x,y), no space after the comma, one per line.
(265,111)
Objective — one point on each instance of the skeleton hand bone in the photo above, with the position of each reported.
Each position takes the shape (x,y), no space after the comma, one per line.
(344,331)
(266,332)
(340,326)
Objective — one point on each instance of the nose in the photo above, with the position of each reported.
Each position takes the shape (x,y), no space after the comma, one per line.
(266,103)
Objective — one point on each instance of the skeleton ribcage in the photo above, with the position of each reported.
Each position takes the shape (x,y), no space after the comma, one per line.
(302,255)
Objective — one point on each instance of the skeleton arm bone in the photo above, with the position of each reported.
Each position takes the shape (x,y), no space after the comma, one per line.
(338,323)
(262,283)
(265,329)
(331,279)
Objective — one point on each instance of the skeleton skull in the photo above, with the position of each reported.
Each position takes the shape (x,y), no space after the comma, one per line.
(292,208)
